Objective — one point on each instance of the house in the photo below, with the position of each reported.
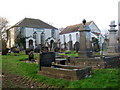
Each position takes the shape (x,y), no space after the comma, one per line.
(71,33)
(31,32)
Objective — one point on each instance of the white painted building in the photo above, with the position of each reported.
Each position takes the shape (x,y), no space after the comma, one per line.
(34,31)
(71,33)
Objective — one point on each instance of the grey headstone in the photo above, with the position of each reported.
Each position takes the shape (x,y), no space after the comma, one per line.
(77,46)
(70,47)
(46,59)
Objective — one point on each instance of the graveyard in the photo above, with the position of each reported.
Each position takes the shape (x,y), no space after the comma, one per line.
(53,68)
(27,75)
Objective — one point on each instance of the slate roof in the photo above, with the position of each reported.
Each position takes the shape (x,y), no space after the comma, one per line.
(73,28)
(33,23)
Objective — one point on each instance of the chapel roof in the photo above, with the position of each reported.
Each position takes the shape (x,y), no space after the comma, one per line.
(73,28)
(33,23)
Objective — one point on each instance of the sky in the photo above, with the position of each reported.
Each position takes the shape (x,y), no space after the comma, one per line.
(61,13)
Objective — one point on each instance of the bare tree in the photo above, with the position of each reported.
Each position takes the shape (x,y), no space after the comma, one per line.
(3,27)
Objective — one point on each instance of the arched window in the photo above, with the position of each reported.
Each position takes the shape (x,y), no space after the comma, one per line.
(77,38)
(64,38)
(34,35)
(70,37)
(42,38)
(53,33)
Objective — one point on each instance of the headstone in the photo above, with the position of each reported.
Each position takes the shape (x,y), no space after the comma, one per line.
(56,51)
(31,47)
(31,56)
(27,51)
(55,45)
(65,45)
(44,49)
(85,47)
(95,45)
(37,49)
(77,46)
(70,47)
(118,45)
(112,48)
(104,45)
(46,59)
(119,32)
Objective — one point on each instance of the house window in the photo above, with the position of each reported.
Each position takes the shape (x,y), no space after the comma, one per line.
(53,33)
(70,37)
(34,35)
(42,38)
(77,37)
(64,38)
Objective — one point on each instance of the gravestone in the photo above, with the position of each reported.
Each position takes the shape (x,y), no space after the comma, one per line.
(56,51)
(31,56)
(112,48)
(44,49)
(77,46)
(70,47)
(37,49)
(118,45)
(55,45)
(46,59)
(104,45)
(85,47)
(65,45)
(27,51)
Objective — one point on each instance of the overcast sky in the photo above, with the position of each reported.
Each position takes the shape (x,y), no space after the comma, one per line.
(61,13)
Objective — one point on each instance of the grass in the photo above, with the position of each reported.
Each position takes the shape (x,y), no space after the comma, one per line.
(101,78)
(69,53)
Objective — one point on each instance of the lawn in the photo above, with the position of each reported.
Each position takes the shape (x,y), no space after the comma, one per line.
(101,78)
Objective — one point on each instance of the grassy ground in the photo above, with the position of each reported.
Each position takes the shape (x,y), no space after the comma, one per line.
(69,53)
(101,78)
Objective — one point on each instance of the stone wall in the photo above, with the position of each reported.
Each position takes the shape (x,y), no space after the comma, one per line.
(67,74)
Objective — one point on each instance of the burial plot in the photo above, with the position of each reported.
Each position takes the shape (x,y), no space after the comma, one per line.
(86,58)
(48,68)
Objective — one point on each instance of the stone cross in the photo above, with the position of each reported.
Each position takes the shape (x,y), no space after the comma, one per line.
(85,44)
(112,48)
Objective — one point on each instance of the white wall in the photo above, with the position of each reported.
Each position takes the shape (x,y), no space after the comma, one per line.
(12,37)
(67,39)
(94,28)
(47,32)
(28,32)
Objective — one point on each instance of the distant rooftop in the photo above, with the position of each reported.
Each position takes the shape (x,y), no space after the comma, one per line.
(33,23)
(74,28)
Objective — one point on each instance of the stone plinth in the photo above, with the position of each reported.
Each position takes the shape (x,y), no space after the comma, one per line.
(85,44)
(96,62)
(66,72)
(113,47)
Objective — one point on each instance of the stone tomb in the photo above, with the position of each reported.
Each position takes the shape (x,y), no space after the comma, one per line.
(96,62)
(86,58)
(50,69)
